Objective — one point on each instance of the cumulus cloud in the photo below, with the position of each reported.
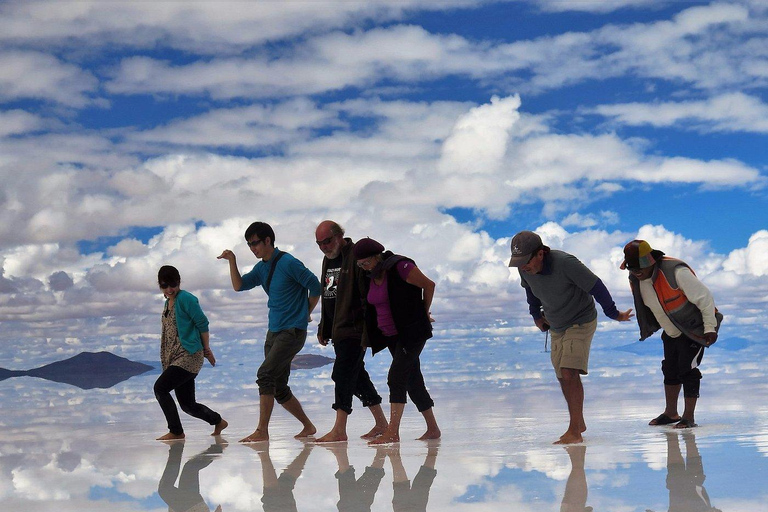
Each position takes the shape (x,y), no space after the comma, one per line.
(478,141)
(752,259)
(389,169)
(60,281)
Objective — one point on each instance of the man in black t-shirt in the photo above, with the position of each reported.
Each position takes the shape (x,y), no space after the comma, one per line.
(341,321)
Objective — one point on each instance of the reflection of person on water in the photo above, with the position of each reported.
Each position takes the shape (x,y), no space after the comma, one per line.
(186,497)
(357,494)
(277,494)
(575,496)
(685,477)
(412,496)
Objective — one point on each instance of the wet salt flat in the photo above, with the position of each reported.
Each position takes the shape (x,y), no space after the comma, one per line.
(69,449)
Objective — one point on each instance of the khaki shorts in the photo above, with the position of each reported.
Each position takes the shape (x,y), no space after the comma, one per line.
(570,348)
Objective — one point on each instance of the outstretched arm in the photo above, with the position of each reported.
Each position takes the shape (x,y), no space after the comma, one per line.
(603,297)
(234,272)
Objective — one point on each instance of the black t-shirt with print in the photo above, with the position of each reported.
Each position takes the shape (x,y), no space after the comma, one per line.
(333,268)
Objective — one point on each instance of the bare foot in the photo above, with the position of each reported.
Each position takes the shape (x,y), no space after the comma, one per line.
(306,432)
(582,429)
(375,432)
(255,437)
(385,438)
(570,438)
(171,437)
(430,434)
(219,427)
(332,437)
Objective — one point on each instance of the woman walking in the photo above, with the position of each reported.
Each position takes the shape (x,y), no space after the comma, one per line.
(397,317)
(183,345)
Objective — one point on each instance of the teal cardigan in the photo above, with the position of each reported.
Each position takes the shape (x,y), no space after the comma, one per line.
(190,321)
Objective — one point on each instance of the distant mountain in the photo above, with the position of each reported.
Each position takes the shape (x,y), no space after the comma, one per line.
(654,345)
(306,361)
(86,370)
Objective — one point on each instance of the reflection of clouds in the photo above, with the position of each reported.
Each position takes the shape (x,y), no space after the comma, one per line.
(495,455)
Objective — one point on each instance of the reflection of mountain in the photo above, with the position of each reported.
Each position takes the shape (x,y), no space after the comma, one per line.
(653,346)
(306,361)
(86,370)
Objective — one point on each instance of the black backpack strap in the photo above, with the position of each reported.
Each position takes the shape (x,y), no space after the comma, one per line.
(272,270)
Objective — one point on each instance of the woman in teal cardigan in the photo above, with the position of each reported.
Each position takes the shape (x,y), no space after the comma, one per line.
(183,345)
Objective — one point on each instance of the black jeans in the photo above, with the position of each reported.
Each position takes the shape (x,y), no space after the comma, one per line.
(682,357)
(180,380)
(405,374)
(351,377)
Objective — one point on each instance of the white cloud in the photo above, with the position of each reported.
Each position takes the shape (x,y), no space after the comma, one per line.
(203,27)
(36,75)
(596,6)
(752,259)
(732,112)
(252,126)
(478,141)
(15,122)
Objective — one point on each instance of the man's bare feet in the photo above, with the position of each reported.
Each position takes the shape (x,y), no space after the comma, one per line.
(255,437)
(171,437)
(220,427)
(375,432)
(332,437)
(385,438)
(582,429)
(570,438)
(430,434)
(306,432)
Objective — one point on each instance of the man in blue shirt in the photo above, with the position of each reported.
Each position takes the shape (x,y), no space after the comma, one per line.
(293,293)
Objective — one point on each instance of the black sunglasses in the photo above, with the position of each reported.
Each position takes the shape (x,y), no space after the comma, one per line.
(167,285)
(254,243)
(324,241)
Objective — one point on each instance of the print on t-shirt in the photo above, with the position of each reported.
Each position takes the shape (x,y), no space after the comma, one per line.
(330,286)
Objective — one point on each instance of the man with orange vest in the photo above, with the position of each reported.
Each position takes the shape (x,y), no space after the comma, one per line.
(669,296)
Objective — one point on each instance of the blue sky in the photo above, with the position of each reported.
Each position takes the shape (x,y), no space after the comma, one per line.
(136,135)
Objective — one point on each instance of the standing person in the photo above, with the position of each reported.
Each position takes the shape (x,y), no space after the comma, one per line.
(184,342)
(560,289)
(397,317)
(342,322)
(669,296)
(293,293)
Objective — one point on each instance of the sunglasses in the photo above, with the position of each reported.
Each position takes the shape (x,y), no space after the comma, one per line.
(254,243)
(324,241)
(168,285)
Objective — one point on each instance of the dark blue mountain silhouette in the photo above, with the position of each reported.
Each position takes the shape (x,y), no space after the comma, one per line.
(86,370)
(307,361)
(654,345)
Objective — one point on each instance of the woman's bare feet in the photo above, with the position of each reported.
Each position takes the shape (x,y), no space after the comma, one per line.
(332,437)
(255,437)
(431,433)
(375,432)
(386,438)
(171,437)
(306,432)
(220,427)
